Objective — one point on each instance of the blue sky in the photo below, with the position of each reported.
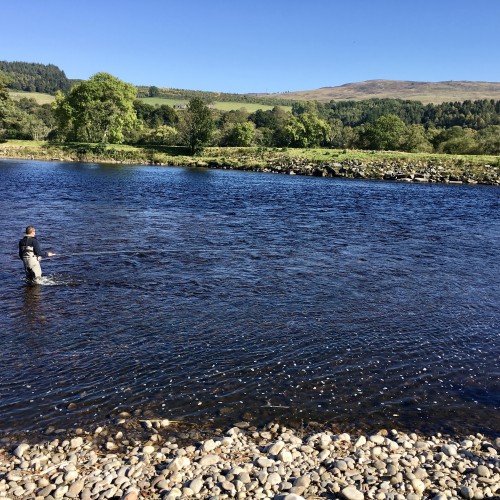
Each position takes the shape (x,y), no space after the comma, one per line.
(257,46)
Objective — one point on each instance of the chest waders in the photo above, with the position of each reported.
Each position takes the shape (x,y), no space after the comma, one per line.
(31,263)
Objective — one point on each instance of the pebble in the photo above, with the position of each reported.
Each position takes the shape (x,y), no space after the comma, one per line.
(273,463)
(351,493)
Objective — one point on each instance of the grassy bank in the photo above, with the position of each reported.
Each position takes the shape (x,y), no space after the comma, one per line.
(416,167)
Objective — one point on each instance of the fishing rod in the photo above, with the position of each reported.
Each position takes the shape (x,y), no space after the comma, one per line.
(105,252)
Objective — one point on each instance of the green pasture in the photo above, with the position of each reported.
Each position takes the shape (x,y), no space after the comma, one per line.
(155,101)
(39,98)
(222,105)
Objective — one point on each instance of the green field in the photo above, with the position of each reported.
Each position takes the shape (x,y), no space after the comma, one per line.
(155,101)
(39,98)
(222,106)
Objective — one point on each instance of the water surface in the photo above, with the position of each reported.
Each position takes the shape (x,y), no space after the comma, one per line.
(218,295)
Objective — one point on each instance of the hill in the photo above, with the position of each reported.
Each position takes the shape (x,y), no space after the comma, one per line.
(426,92)
(34,77)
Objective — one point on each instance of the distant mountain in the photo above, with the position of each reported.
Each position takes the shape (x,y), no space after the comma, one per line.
(426,92)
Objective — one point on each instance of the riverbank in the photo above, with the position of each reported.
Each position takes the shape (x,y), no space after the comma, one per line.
(403,167)
(274,462)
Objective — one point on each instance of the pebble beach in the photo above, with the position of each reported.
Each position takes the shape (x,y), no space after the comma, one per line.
(245,462)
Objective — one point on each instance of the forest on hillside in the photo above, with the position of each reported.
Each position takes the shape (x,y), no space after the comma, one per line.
(33,77)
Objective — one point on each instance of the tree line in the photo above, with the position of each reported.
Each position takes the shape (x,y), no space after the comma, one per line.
(104,110)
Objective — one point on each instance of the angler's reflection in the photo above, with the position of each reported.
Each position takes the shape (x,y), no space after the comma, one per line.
(32,305)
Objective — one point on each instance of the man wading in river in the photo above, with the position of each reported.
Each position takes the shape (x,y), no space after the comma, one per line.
(30,253)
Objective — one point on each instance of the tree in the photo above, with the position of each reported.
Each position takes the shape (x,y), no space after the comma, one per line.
(98,110)
(415,141)
(240,134)
(316,131)
(488,140)
(386,133)
(457,141)
(196,125)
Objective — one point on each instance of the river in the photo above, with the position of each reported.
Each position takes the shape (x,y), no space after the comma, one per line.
(216,296)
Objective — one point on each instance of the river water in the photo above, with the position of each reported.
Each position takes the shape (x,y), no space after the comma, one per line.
(205,295)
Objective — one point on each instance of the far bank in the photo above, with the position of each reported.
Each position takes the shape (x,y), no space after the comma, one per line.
(355,164)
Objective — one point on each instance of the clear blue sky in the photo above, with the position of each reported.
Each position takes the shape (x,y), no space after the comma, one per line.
(257,46)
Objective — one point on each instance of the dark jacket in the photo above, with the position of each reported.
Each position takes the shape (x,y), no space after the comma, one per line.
(28,247)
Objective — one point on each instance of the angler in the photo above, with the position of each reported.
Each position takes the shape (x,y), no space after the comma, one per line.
(31,254)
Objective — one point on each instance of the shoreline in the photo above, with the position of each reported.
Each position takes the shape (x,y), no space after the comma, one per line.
(165,459)
(367,165)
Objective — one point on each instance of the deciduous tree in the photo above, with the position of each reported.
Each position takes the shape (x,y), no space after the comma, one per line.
(98,110)
(196,125)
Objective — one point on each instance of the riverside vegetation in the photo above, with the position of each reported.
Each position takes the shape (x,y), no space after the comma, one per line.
(409,167)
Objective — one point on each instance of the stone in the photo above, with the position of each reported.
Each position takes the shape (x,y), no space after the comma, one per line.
(418,485)
(450,450)
(228,486)
(148,450)
(274,478)
(304,481)
(265,462)
(196,484)
(276,447)
(483,471)
(352,493)
(285,456)
(467,492)
(208,460)
(377,439)
(178,464)
(14,476)
(209,446)
(76,442)
(244,477)
(75,489)
(341,465)
(21,450)
(361,441)
(70,476)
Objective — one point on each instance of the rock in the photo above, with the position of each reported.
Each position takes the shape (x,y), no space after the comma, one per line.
(21,450)
(70,476)
(174,493)
(351,493)
(76,442)
(418,485)
(304,481)
(228,486)
(341,465)
(75,489)
(197,484)
(208,460)
(275,448)
(377,439)
(274,478)
(361,441)
(265,462)
(450,450)
(285,456)
(483,471)
(180,463)
(148,450)
(209,446)
(14,475)
(467,492)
